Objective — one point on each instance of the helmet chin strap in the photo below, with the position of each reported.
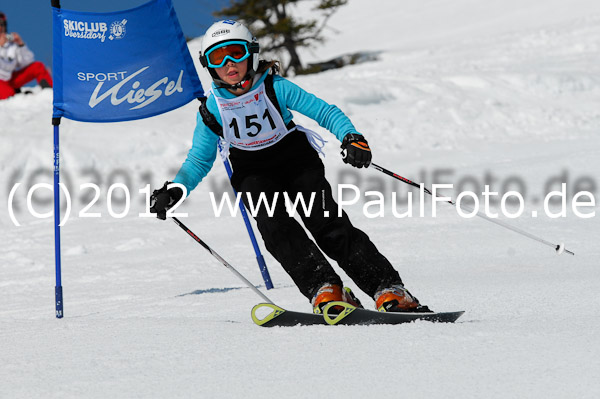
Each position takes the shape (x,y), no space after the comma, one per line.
(245,82)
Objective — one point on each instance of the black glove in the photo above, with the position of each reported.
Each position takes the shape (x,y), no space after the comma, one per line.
(356,151)
(164,200)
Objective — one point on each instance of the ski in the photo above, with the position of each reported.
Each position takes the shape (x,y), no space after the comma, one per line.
(284,318)
(351,315)
(357,316)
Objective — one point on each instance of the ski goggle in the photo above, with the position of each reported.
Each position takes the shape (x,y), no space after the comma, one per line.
(236,51)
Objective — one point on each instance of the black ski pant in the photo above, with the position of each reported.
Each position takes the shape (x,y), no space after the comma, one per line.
(335,235)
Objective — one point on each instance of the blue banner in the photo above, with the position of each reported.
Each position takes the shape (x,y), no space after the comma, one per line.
(120,66)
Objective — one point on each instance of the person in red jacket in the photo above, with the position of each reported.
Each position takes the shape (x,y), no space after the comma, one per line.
(17,65)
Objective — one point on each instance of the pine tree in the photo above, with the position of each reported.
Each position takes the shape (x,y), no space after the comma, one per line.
(272,23)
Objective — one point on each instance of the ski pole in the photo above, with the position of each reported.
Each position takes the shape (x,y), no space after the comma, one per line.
(223,261)
(560,248)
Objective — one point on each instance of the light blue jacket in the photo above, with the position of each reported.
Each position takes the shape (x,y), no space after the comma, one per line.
(202,155)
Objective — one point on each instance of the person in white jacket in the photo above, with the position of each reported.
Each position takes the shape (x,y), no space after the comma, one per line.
(17,64)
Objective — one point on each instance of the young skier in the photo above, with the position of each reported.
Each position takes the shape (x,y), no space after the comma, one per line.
(249,109)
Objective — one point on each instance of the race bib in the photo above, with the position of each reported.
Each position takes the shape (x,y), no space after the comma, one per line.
(251,122)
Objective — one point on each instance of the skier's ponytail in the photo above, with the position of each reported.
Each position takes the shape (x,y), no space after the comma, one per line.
(264,66)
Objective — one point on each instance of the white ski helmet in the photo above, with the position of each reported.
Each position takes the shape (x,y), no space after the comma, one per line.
(227,31)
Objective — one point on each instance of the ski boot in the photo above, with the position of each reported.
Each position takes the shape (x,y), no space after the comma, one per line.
(397,299)
(330,293)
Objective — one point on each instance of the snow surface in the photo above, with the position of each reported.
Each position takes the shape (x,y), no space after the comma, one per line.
(463,89)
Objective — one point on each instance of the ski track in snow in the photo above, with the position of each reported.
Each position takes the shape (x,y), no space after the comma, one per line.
(460,90)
